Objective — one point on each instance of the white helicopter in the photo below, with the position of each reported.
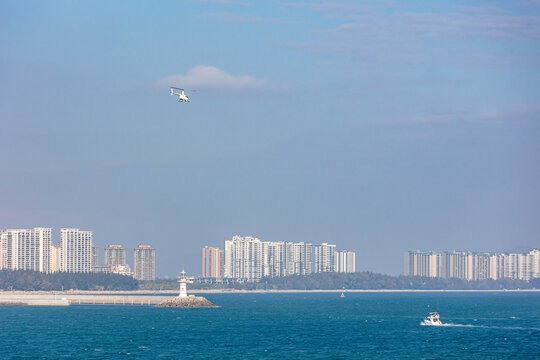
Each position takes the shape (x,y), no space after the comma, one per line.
(181,95)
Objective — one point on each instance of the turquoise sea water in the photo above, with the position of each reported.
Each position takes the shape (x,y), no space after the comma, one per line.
(283,326)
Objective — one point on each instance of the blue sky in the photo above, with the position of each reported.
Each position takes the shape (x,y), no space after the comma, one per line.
(375,125)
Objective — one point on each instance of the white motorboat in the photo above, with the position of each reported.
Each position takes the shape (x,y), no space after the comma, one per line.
(432,319)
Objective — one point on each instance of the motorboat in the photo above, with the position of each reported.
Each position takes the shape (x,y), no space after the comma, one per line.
(432,319)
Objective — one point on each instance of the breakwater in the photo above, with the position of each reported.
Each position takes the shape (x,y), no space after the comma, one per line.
(187,302)
(78,299)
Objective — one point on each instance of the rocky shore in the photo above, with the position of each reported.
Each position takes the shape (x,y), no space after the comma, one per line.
(187,302)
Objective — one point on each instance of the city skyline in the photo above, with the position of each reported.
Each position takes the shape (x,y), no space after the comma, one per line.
(322,257)
(35,250)
(247,258)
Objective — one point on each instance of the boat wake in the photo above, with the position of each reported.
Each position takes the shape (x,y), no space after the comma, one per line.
(483,326)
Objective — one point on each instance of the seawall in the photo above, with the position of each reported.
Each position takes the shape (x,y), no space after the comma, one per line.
(65,300)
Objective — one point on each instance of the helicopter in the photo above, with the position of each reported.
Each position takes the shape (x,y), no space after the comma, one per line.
(181,95)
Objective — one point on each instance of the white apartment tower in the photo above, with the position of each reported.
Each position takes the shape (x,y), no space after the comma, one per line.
(511,266)
(286,258)
(345,261)
(56,255)
(456,264)
(145,262)
(22,249)
(276,257)
(76,253)
(524,267)
(325,258)
(301,258)
(418,263)
(243,258)
(535,263)
(3,250)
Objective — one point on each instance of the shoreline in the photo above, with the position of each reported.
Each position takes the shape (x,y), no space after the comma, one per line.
(234,291)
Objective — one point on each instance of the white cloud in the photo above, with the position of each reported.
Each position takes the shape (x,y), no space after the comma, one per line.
(210,77)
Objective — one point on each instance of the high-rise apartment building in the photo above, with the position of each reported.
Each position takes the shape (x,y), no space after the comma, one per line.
(325,258)
(345,261)
(301,259)
(228,259)
(56,255)
(511,266)
(418,263)
(277,258)
(144,262)
(268,253)
(3,250)
(525,267)
(456,265)
(115,255)
(243,258)
(76,253)
(473,265)
(95,255)
(23,249)
(521,266)
(535,263)
(485,266)
(212,262)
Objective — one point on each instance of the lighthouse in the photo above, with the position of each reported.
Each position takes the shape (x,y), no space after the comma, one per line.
(183,280)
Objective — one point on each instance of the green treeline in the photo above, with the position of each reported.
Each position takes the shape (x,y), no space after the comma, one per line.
(163,284)
(34,281)
(31,280)
(359,280)
(373,281)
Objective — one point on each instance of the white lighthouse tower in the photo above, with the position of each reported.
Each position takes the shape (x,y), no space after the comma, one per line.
(184,280)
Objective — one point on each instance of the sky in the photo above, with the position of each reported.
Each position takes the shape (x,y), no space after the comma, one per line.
(378,126)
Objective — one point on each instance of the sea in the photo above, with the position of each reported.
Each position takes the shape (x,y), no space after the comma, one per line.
(477,325)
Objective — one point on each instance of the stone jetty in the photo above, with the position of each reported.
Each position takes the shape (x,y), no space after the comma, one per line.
(187,302)
(43,299)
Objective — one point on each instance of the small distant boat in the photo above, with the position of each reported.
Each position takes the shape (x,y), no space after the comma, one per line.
(432,319)
(342,294)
